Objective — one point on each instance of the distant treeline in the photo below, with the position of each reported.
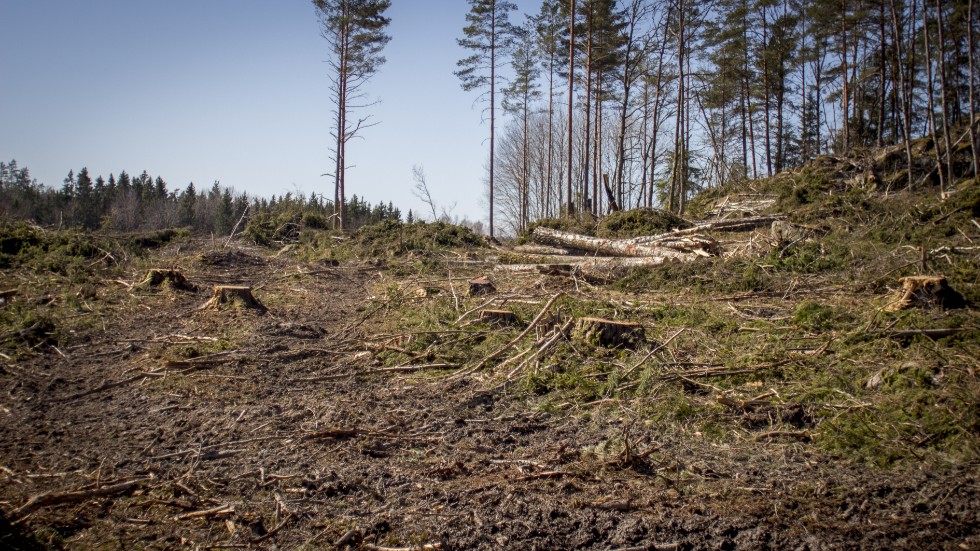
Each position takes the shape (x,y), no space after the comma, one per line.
(128,203)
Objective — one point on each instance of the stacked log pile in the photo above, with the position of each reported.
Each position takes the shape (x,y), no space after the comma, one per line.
(565,253)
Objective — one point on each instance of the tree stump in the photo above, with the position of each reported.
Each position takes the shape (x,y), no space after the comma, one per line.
(481,286)
(609,333)
(235,296)
(499,317)
(926,291)
(425,292)
(159,276)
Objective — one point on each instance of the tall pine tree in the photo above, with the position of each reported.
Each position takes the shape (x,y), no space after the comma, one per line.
(486,35)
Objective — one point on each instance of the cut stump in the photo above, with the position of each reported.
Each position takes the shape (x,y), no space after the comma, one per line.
(235,296)
(924,292)
(499,317)
(609,333)
(176,280)
(481,286)
(425,292)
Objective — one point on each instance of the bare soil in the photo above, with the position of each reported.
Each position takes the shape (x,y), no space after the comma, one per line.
(274,430)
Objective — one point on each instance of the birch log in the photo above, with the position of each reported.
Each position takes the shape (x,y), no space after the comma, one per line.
(600,246)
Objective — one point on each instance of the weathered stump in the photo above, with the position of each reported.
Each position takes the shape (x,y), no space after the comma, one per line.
(160,276)
(499,317)
(481,286)
(609,333)
(234,296)
(924,292)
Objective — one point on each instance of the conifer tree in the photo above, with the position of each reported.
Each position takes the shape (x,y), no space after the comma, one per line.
(518,97)
(355,32)
(486,35)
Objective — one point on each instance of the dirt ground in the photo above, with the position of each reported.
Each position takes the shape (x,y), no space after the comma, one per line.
(159,424)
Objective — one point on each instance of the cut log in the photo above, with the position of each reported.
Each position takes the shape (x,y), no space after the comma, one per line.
(924,292)
(481,286)
(737,224)
(540,249)
(596,245)
(172,278)
(609,333)
(235,296)
(499,317)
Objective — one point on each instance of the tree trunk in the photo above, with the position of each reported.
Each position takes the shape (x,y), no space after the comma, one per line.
(944,103)
(972,72)
(493,102)
(929,86)
(906,123)
(571,100)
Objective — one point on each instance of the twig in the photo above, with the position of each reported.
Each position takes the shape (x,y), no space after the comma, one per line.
(47,500)
(222,511)
(484,305)
(561,333)
(653,351)
(235,229)
(483,363)
(424,547)
(802,435)
(273,532)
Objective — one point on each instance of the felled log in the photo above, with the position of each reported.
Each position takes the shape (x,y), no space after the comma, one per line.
(540,249)
(481,286)
(546,269)
(159,276)
(499,317)
(609,333)
(924,292)
(597,245)
(737,224)
(696,244)
(235,296)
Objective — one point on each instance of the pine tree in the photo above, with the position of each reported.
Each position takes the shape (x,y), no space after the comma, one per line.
(518,97)
(486,34)
(355,32)
(551,31)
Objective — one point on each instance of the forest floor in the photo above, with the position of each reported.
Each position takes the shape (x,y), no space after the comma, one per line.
(351,413)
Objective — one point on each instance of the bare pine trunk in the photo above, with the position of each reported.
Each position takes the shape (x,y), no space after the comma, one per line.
(973,110)
(944,103)
(929,87)
(571,96)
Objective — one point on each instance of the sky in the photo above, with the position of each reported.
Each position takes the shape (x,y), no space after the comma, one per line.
(236,91)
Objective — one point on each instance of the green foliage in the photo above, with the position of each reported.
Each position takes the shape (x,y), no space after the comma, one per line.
(640,222)
(583,224)
(392,238)
(814,316)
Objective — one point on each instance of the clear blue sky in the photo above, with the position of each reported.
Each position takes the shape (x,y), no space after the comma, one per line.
(236,91)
